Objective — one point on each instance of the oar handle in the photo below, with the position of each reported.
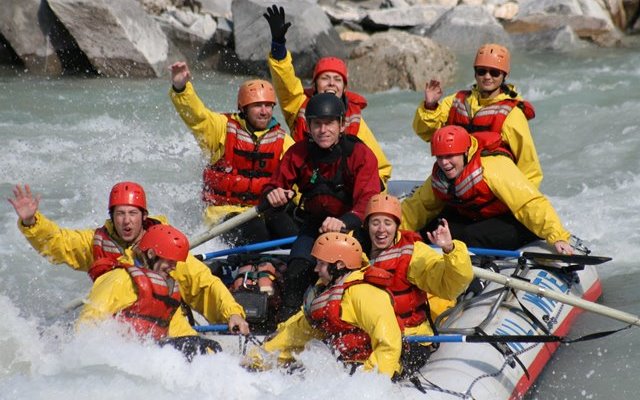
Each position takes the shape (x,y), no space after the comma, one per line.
(482,339)
(223,227)
(271,244)
(211,328)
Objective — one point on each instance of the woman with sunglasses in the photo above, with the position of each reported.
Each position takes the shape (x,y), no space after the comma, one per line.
(491,105)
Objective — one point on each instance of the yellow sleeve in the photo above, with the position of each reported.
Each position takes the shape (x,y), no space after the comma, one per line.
(60,246)
(288,142)
(291,337)
(516,132)
(525,201)
(208,128)
(288,87)
(384,166)
(420,208)
(204,292)
(426,122)
(369,308)
(444,275)
(110,293)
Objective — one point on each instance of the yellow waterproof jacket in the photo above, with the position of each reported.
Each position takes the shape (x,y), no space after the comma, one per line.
(202,291)
(210,131)
(507,182)
(515,130)
(73,247)
(364,306)
(291,96)
(443,275)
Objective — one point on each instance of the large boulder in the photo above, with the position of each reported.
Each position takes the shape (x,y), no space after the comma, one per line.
(396,59)
(554,39)
(118,37)
(403,17)
(27,26)
(188,31)
(465,28)
(310,37)
(587,18)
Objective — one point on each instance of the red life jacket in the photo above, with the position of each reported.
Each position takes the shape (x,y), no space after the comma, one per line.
(323,311)
(409,302)
(105,247)
(325,181)
(469,194)
(355,103)
(488,118)
(155,306)
(248,162)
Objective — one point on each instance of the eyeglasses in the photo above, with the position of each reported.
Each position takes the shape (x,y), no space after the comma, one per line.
(483,71)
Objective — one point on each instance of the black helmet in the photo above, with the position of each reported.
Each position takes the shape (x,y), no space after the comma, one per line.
(324,105)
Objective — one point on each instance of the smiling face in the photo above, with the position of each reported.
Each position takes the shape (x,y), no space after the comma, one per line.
(259,115)
(325,132)
(330,82)
(163,267)
(128,222)
(451,164)
(489,80)
(322,269)
(382,230)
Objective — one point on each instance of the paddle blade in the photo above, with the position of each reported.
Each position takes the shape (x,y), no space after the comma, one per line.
(570,259)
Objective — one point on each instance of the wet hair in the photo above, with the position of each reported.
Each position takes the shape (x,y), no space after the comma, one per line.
(508,91)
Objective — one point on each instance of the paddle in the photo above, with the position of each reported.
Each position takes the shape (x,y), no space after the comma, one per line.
(228,225)
(270,244)
(211,328)
(572,259)
(561,297)
(482,339)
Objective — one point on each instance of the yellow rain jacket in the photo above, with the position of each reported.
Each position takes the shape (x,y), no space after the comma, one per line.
(210,131)
(202,291)
(365,306)
(73,247)
(443,275)
(507,182)
(515,130)
(291,96)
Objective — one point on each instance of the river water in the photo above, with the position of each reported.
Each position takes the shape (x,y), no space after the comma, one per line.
(71,139)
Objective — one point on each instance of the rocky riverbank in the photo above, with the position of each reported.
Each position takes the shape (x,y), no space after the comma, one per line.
(388,43)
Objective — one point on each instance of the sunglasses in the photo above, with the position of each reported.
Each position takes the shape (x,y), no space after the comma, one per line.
(483,71)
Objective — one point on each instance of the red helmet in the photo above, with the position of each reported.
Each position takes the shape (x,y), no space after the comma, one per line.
(332,64)
(493,56)
(386,204)
(127,194)
(255,91)
(450,139)
(168,242)
(332,247)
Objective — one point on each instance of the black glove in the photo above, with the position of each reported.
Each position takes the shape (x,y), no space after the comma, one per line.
(275,18)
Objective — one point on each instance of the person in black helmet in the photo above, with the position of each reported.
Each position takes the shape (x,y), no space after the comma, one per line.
(336,175)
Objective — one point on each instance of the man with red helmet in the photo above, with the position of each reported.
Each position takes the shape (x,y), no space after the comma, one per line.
(329,76)
(490,105)
(485,197)
(243,149)
(142,292)
(95,250)
(348,308)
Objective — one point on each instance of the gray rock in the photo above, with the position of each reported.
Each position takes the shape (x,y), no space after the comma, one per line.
(465,28)
(118,37)
(189,33)
(587,18)
(310,37)
(403,17)
(216,8)
(342,12)
(396,59)
(27,26)
(554,39)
